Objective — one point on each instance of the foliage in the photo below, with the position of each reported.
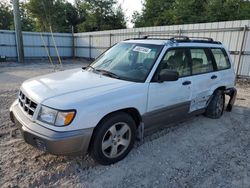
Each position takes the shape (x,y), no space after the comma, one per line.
(96,15)
(6,17)
(155,12)
(58,14)
(101,15)
(85,15)
(166,12)
(28,23)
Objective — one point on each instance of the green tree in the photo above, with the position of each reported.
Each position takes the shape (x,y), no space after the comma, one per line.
(137,19)
(119,20)
(27,22)
(223,10)
(6,17)
(189,11)
(58,14)
(166,12)
(102,15)
(154,13)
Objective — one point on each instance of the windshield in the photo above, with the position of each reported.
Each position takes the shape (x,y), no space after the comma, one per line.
(128,61)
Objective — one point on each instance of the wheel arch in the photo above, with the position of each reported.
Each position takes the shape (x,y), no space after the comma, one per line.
(223,88)
(133,112)
(212,91)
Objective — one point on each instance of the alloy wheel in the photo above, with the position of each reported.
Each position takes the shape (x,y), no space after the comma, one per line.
(116,140)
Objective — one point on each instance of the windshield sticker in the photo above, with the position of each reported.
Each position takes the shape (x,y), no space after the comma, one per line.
(142,49)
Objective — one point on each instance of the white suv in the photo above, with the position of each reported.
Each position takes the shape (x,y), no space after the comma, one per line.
(137,85)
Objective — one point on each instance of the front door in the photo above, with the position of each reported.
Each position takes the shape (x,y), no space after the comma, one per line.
(169,101)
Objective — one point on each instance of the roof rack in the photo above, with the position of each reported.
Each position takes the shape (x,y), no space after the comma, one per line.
(188,38)
(178,38)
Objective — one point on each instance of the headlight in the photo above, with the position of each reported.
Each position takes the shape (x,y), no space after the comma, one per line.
(56,117)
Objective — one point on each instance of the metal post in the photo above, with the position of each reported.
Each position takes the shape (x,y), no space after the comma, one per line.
(48,41)
(179,32)
(90,46)
(73,42)
(18,31)
(139,34)
(241,49)
(110,40)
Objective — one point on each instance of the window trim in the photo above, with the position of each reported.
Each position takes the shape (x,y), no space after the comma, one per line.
(154,77)
(209,58)
(187,49)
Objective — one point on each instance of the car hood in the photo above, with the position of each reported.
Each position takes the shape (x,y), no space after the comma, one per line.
(69,81)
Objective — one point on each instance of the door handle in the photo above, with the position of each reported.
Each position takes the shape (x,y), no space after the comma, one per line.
(213,77)
(186,83)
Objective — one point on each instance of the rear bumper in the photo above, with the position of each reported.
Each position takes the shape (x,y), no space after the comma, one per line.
(232,93)
(57,143)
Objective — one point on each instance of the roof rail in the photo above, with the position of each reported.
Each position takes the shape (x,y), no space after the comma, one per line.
(191,38)
(139,38)
(178,38)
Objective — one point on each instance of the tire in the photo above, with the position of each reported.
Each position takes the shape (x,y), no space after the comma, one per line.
(216,106)
(113,139)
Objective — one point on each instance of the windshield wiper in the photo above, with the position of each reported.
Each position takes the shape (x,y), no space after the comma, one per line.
(104,72)
(89,66)
(108,73)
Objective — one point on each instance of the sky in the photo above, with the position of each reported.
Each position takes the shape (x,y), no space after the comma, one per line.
(129,6)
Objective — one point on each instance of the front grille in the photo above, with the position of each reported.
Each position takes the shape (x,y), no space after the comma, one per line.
(27,105)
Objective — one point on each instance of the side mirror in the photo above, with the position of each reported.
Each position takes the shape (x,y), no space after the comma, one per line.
(168,75)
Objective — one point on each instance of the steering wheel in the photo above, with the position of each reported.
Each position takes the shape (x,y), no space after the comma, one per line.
(141,68)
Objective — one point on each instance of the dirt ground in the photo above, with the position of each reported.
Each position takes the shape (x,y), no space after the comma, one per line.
(200,152)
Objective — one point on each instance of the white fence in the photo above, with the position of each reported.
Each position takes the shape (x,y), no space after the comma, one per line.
(233,34)
(34,44)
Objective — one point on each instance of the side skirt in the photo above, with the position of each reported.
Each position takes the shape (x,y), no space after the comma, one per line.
(165,116)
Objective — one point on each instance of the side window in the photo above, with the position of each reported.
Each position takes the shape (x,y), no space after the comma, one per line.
(221,59)
(177,60)
(200,61)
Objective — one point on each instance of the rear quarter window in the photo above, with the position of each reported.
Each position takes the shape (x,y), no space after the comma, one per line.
(221,58)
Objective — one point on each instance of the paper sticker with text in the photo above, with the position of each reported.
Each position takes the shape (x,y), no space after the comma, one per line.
(142,49)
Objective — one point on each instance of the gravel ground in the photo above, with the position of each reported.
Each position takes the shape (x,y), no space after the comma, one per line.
(200,152)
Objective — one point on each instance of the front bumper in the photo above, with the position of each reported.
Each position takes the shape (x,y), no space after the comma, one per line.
(57,143)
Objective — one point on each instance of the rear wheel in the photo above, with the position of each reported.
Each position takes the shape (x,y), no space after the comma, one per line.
(113,138)
(215,107)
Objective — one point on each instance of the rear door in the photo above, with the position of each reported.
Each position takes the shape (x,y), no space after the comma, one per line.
(169,101)
(226,71)
(203,78)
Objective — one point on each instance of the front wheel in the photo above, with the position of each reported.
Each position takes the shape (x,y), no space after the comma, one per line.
(215,107)
(113,138)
